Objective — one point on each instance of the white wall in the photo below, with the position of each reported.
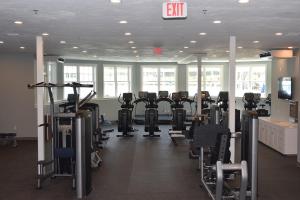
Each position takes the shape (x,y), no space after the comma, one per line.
(281,67)
(17,111)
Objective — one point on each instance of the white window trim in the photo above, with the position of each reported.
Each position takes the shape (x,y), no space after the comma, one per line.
(221,67)
(250,66)
(158,67)
(78,65)
(115,66)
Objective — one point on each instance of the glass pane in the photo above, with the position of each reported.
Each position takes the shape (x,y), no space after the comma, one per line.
(70,74)
(192,88)
(86,73)
(258,74)
(242,73)
(109,74)
(167,74)
(214,87)
(122,74)
(150,86)
(122,87)
(150,74)
(167,86)
(109,89)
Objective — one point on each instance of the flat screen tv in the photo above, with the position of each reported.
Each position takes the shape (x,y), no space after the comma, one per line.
(285,86)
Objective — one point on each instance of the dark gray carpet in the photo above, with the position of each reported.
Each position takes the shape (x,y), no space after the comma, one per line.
(140,168)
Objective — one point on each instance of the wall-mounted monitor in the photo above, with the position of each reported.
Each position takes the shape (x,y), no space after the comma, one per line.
(285,88)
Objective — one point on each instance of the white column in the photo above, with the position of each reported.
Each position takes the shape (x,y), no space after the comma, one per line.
(199,99)
(231,85)
(40,97)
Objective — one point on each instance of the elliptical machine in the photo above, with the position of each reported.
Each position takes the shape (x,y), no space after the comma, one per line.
(151,115)
(125,115)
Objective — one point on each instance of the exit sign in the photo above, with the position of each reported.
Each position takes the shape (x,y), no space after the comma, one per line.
(174,10)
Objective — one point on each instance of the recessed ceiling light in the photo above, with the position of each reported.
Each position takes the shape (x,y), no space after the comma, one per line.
(131,42)
(290,47)
(75,47)
(180,51)
(12,34)
(123,22)
(95,56)
(1,42)
(217,22)
(133,47)
(255,41)
(62,42)
(239,47)
(115,1)
(243,1)
(202,33)
(127,34)
(227,51)
(135,51)
(84,51)
(137,56)
(279,34)
(45,34)
(18,22)
(193,41)
(186,47)
(22,47)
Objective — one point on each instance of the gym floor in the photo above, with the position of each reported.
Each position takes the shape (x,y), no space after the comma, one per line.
(140,168)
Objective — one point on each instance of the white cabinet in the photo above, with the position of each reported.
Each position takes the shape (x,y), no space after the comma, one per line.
(279,135)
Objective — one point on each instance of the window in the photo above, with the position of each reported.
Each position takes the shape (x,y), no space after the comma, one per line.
(159,78)
(250,79)
(211,79)
(51,77)
(117,80)
(84,74)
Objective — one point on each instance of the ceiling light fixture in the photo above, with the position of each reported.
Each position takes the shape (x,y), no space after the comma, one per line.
(84,51)
(95,56)
(135,51)
(290,47)
(239,47)
(255,41)
(137,56)
(193,41)
(75,47)
(186,47)
(45,34)
(1,42)
(22,47)
(279,34)
(127,34)
(133,47)
(217,22)
(62,42)
(123,22)
(202,33)
(115,1)
(227,51)
(18,22)
(131,42)
(180,51)
(243,1)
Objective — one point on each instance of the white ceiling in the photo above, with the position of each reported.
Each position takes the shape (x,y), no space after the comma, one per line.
(93,25)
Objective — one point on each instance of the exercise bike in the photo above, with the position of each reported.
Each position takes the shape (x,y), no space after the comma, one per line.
(151,115)
(125,115)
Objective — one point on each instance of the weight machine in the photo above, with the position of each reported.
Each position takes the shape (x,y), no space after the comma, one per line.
(67,142)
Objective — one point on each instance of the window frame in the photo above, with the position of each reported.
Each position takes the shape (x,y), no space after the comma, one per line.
(78,65)
(250,68)
(203,73)
(115,81)
(158,68)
